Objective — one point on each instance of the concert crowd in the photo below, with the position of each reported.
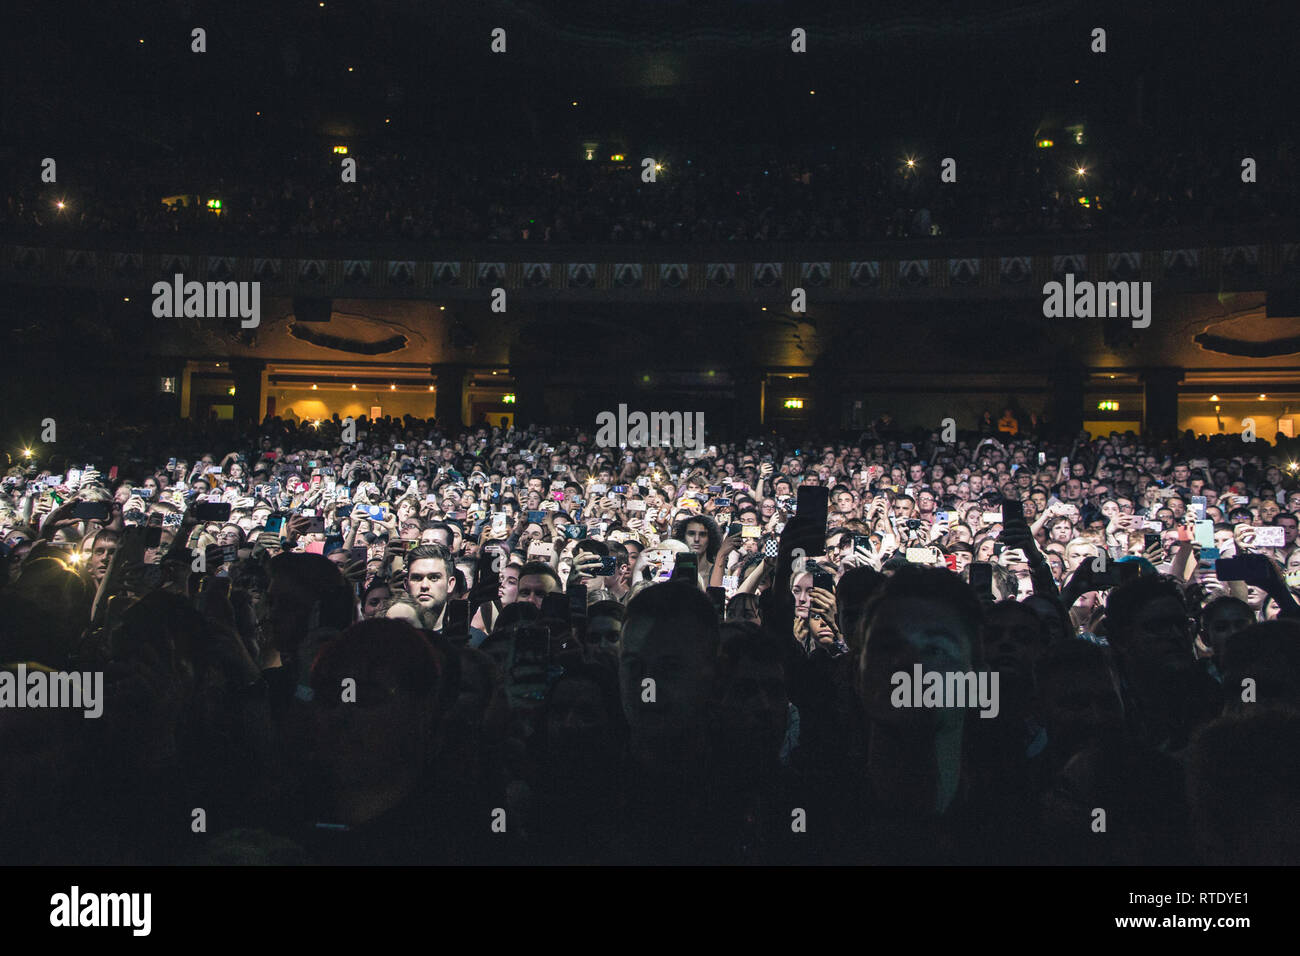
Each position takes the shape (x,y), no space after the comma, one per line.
(392,642)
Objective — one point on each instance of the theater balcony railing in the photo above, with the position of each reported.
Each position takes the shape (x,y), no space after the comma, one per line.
(1181,259)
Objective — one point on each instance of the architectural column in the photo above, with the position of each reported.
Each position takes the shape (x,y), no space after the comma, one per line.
(247,374)
(450,409)
(1160,401)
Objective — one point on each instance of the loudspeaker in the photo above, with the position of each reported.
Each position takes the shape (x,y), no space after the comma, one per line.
(312,310)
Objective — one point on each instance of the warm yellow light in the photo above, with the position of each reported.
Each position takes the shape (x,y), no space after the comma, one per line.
(430,388)
(616,158)
(27,453)
(60,204)
(392,388)
(508,399)
(1080,171)
(911,164)
(1046,143)
(354,388)
(231,390)
(313,386)
(794,403)
(1214,398)
(1262,397)
(341,150)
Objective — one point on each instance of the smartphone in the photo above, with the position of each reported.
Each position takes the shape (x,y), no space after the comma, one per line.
(719,598)
(1198,505)
(1269,536)
(636,505)
(91,510)
(357,553)
(315,525)
(1203,533)
(527,664)
(862,541)
(919,556)
(499,523)
(1151,539)
(212,510)
(135,492)
(455,621)
(152,536)
(685,567)
(1234,569)
(1012,510)
(577,594)
(771,547)
(275,524)
(751,531)
(536,517)
(1042,458)
(723,502)
(555,607)
(981,579)
(823,579)
(540,551)
(173,519)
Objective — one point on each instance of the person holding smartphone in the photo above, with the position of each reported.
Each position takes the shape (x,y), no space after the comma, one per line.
(815,619)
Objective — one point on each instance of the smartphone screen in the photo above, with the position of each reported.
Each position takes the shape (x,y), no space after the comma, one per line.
(981,579)
(719,598)
(455,623)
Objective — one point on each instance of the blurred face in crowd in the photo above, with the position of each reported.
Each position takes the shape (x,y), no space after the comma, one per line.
(533,588)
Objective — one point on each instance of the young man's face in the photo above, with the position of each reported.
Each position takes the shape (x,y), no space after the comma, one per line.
(427,582)
(696,537)
(533,588)
(101,555)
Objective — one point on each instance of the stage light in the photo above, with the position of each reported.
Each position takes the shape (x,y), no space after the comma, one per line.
(1262,397)
(313,386)
(1080,171)
(1214,398)
(1046,143)
(354,388)
(430,387)
(392,388)
(27,453)
(231,390)
(794,403)
(60,205)
(508,399)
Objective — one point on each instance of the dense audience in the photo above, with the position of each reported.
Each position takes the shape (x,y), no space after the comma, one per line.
(489,645)
(758,194)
